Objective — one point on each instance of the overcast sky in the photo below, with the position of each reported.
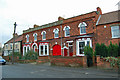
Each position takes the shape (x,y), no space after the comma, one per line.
(26,13)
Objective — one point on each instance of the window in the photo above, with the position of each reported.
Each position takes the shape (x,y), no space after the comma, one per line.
(27,38)
(35,36)
(81,43)
(16,45)
(82,27)
(67,31)
(43,49)
(56,31)
(115,30)
(43,35)
(6,46)
(10,46)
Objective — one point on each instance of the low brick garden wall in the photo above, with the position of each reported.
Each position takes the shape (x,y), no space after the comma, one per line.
(101,63)
(42,59)
(69,61)
(25,61)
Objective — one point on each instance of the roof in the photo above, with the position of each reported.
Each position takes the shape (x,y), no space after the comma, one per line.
(17,39)
(109,17)
(54,23)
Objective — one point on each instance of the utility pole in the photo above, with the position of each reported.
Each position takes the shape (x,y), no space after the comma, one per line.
(13,42)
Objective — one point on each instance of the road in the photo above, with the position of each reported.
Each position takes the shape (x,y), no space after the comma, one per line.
(47,71)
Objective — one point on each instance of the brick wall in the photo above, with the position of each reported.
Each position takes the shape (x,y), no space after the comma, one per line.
(104,35)
(69,61)
(104,64)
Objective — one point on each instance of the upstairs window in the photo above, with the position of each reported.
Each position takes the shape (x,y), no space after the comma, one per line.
(115,30)
(67,31)
(35,36)
(27,38)
(11,46)
(82,27)
(56,33)
(43,35)
(6,46)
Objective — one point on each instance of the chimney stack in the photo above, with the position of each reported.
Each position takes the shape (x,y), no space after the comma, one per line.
(60,18)
(35,25)
(15,34)
(99,10)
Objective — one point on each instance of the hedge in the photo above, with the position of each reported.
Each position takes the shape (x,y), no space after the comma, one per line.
(105,51)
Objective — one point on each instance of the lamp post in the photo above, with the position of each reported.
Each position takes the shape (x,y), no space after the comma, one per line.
(13,42)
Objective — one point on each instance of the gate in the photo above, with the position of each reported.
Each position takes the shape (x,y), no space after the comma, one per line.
(89,61)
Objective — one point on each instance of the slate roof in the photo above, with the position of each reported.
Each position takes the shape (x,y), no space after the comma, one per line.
(109,17)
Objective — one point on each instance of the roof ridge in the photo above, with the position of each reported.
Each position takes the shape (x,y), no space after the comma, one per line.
(110,12)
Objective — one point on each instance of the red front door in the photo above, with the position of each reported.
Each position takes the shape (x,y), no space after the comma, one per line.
(65,52)
(56,50)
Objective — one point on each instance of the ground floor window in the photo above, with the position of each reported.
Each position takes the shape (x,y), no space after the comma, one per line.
(80,44)
(26,48)
(43,49)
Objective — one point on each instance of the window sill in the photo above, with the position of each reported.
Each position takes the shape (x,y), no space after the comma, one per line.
(56,37)
(43,39)
(67,36)
(115,37)
(80,55)
(43,55)
(82,33)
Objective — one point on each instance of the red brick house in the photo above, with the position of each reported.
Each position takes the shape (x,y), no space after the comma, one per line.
(108,28)
(65,37)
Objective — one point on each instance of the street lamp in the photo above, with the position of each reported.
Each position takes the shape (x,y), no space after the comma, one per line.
(13,42)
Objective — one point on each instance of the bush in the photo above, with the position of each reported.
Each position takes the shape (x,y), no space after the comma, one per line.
(113,61)
(30,55)
(16,54)
(88,51)
(119,50)
(113,50)
(104,50)
(97,49)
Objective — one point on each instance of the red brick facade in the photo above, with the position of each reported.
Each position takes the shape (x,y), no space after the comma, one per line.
(104,35)
(73,43)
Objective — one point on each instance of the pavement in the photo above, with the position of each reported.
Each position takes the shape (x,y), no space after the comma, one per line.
(33,70)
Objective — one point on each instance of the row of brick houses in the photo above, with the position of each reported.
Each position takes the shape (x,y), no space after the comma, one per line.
(68,37)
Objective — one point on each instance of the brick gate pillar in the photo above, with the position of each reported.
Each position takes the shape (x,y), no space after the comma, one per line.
(98,60)
(84,61)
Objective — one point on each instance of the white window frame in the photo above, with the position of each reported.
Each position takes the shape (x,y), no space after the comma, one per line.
(6,46)
(113,31)
(43,44)
(82,23)
(82,40)
(65,30)
(11,46)
(56,31)
(35,39)
(35,45)
(25,51)
(42,35)
(27,38)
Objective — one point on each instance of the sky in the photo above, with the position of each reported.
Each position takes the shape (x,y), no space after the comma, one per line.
(26,13)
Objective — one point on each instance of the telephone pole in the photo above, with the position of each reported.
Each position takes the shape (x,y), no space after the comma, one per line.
(13,42)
